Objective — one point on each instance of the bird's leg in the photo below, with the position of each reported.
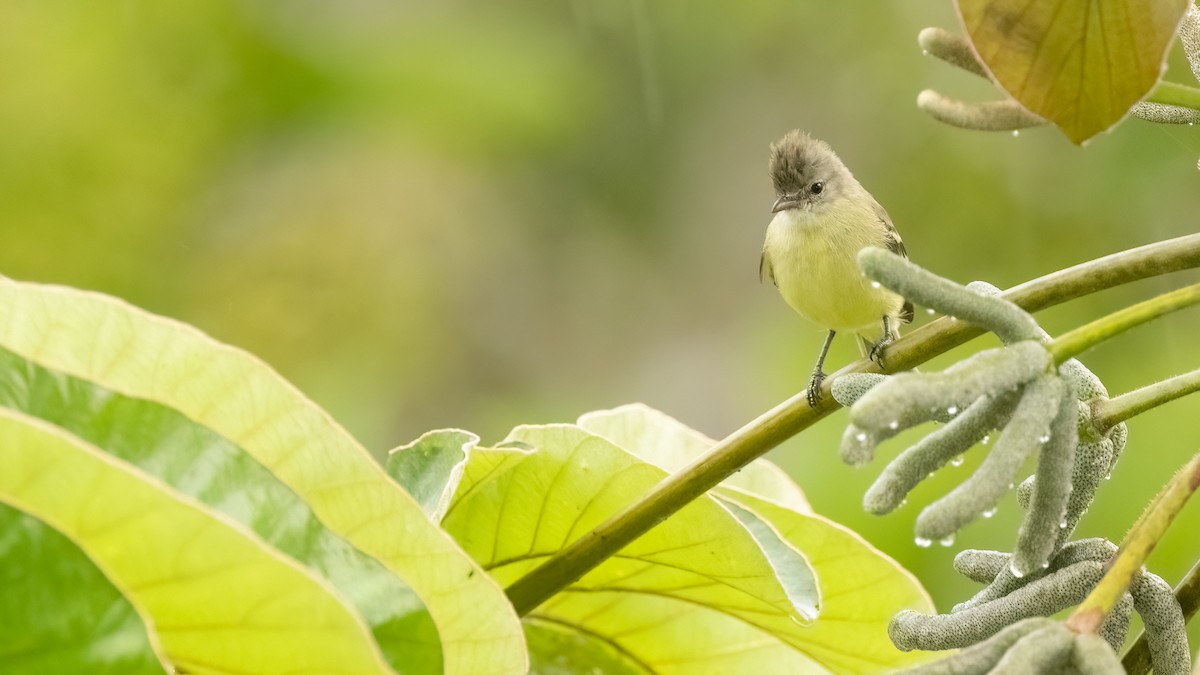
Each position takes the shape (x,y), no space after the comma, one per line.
(876,353)
(818,375)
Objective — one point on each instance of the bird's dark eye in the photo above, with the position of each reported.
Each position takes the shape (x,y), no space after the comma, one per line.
(817,187)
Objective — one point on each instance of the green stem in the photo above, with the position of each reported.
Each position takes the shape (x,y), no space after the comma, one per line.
(794,415)
(1137,659)
(1173,93)
(1142,538)
(1074,343)
(1109,412)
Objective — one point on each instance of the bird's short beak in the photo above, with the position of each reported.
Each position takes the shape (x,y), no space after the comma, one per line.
(785,202)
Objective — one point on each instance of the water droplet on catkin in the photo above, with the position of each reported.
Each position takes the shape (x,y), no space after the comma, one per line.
(989,513)
(876,284)
(947,541)
(930,311)
(923,542)
(952,410)
(861,437)
(1062,524)
(1044,438)
(987,439)
(1016,132)
(957,461)
(1012,567)
(894,424)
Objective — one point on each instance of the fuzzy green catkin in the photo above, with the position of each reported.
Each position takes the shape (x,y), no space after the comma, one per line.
(1094,456)
(1025,491)
(933,451)
(1092,655)
(1085,382)
(1116,625)
(951,48)
(1043,651)
(850,387)
(1066,587)
(1161,113)
(1096,549)
(1119,435)
(1030,421)
(1166,631)
(1005,115)
(979,659)
(980,566)
(1189,36)
(1092,463)
(918,285)
(858,445)
(907,399)
(1046,517)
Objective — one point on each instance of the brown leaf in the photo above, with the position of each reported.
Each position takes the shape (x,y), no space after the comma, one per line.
(1078,63)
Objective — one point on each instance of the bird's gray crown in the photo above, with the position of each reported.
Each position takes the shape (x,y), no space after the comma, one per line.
(798,160)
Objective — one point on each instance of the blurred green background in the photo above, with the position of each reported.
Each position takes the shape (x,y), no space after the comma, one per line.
(469,214)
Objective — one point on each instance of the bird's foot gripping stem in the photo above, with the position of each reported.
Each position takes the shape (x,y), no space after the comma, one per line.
(888,337)
(814,388)
(876,352)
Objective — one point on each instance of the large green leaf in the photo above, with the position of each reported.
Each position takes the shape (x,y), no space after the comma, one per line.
(671,445)
(861,587)
(432,466)
(61,614)
(197,462)
(679,599)
(572,482)
(126,351)
(1081,65)
(220,599)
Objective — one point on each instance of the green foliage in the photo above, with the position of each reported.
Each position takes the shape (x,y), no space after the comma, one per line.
(210,436)
(1033,646)
(68,612)
(205,515)
(262,611)
(1079,65)
(1039,405)
(740,566)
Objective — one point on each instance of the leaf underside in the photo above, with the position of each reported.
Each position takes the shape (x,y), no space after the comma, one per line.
(1079,63)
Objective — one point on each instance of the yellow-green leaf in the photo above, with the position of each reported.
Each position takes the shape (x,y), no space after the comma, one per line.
(120,348)
(194,461)
(1081,64)
(861,588)
(61,614)
(693,595)
(671,445)
(219,599)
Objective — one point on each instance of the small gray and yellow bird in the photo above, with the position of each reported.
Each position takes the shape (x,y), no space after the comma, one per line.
(823,218)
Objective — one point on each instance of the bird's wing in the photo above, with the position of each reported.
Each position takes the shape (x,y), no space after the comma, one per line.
(764,268)
(895,245)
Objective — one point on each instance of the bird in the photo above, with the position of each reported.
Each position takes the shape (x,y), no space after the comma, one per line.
(822,217)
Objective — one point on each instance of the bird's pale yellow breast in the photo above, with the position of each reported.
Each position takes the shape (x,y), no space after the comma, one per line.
(812,257)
